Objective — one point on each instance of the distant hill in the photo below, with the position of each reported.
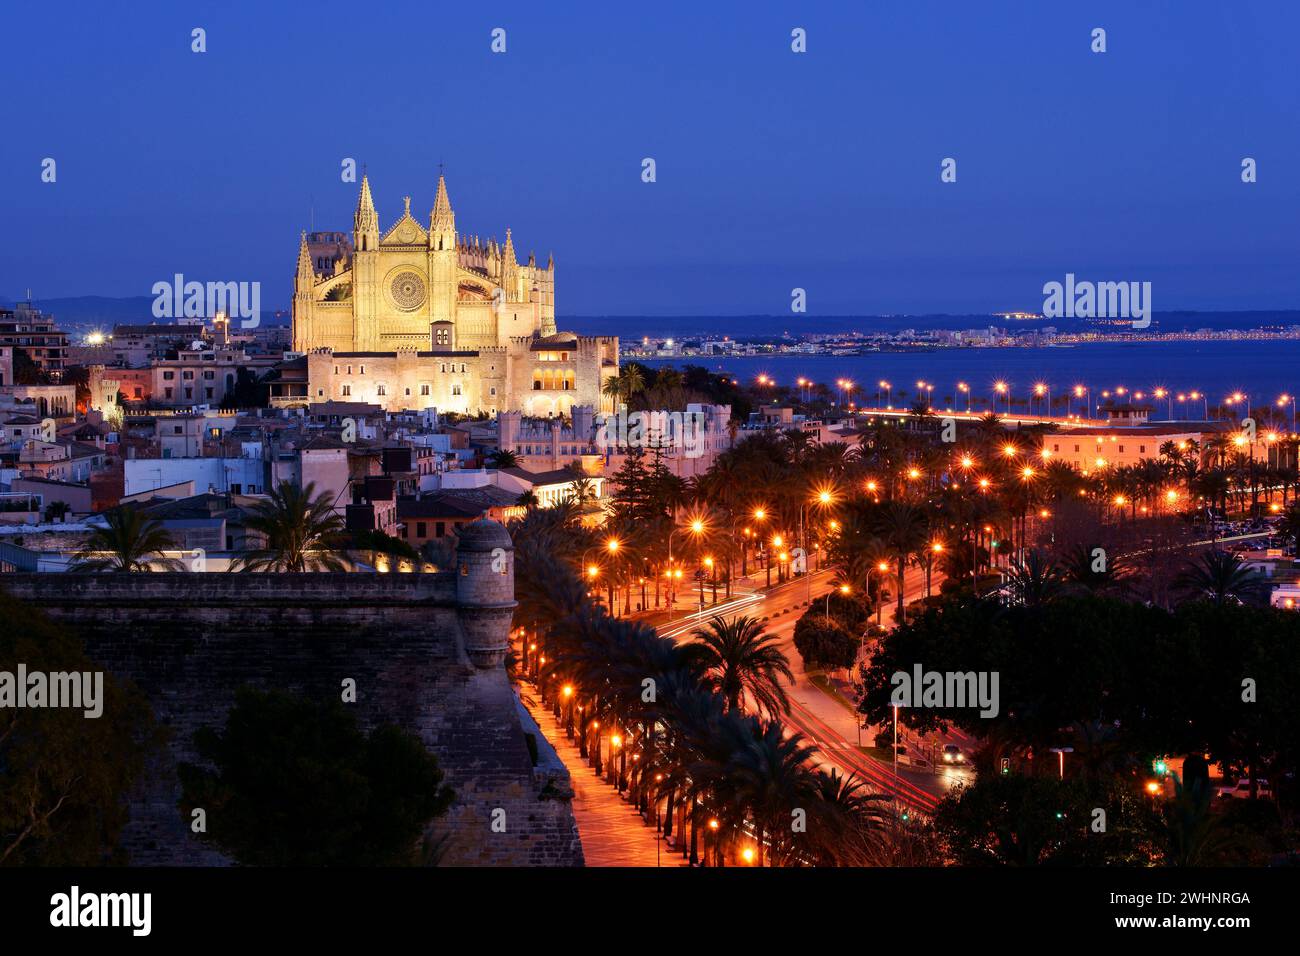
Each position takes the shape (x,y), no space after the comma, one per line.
(95,311)
(751,327)
(103,311)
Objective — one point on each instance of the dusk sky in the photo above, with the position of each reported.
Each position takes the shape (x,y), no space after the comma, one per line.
(775,170)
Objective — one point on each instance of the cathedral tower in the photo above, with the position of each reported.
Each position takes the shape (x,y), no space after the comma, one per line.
(365,264)
(444,257)
(303,280)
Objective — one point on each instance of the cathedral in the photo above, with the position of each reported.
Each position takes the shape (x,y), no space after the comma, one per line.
(415,317)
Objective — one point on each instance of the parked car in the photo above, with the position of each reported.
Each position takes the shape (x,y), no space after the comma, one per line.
(1241,790)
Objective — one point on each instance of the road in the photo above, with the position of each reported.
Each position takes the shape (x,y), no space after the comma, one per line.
(827,721)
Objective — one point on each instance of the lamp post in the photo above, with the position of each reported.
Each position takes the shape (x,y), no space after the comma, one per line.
(611,547)
(1084,392)
(1002,388)
(1281,402)
(760,515)
(1060,753)
(696,527)
(889,393)
(963,387)
(895,706)
(883,568)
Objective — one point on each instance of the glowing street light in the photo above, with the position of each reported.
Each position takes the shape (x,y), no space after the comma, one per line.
(1002,388)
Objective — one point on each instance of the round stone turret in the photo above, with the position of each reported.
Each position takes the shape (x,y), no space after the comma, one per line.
(485,590)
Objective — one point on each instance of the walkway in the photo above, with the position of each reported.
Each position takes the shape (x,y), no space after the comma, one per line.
(611,830)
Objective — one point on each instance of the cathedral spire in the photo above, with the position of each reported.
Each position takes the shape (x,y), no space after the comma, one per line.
(442,214)
(442,221)
(509,254)
(365,224)
(306,275)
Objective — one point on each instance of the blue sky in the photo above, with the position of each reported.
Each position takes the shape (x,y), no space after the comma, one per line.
(775,169)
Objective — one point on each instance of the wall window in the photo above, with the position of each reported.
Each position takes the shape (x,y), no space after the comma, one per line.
(347,390)
(424,389)
(381,390)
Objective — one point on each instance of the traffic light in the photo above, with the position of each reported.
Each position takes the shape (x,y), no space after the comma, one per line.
(1006,766)
(1161,767)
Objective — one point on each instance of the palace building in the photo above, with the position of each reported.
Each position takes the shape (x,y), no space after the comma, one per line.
(415,317)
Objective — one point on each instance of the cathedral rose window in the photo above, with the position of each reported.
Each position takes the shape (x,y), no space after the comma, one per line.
(407,290)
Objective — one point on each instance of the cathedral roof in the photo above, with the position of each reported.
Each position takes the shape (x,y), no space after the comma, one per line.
(406,231)
(551,341)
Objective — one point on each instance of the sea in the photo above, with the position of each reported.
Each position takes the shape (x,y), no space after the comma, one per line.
(1263,370)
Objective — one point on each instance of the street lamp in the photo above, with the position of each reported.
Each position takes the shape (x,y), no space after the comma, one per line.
(1041,390)
(889,393)
(844,589)
(895,706)
(1281,403)
(1084,391)
(963,387)
(883,568)
(697,527)
(1060,753)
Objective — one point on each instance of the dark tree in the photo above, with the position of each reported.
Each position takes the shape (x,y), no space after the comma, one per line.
(824,643)
(294,782)
(64,777)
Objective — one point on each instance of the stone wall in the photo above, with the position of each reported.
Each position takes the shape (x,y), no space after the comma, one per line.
(189,641)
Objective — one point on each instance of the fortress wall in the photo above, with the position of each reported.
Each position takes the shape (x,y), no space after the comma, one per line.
(189,641)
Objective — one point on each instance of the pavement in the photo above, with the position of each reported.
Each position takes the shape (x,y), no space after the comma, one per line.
(611,830)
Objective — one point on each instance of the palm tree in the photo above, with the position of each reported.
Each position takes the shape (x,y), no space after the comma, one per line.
(300,530)
(736,657)
(1091,570)
(502,458)
(769,773)
(621,387)
(849,820)
(903,528)
(1220,578)
(1035,581)
(129,541)
(1289,526)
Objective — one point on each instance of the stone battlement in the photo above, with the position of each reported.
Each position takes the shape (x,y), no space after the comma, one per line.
(424,650)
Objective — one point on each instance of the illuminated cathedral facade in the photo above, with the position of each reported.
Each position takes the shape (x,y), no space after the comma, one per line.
(414,317)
